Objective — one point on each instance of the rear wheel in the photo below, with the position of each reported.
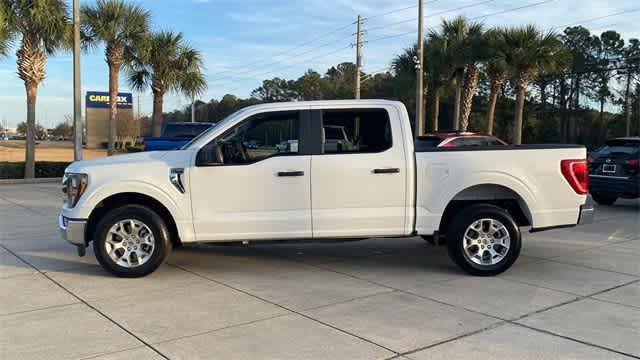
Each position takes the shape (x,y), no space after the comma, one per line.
(604,199)
(483,240)
(131,241)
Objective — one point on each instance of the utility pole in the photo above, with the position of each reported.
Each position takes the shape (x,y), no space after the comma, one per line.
(419,126)
(627,103)
(358,55)
(77,87)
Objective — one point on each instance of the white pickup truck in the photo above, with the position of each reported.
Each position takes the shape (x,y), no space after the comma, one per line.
(216,188)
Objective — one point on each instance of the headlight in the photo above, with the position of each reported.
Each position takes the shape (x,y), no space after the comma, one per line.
(73,186)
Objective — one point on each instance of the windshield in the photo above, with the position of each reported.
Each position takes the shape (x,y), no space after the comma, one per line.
(201,134)
(219,123)
(620,146)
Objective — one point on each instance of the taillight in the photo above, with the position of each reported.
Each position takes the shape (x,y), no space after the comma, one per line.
(449,144)
(577,174)
(634,162)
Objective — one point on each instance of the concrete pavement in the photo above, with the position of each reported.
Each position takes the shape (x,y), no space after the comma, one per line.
(574,293)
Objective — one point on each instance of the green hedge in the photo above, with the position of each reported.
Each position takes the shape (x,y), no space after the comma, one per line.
(44,169)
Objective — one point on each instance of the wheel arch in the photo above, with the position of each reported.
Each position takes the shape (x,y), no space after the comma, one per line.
(129,198)
(488,193)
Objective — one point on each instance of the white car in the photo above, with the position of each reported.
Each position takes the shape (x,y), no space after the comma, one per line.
(135,207)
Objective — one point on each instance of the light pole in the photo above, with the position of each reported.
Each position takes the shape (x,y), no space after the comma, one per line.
(193,109)
(419,126)
(77,87)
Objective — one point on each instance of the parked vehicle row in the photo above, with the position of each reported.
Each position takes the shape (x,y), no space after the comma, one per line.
(349,170)
(174,135)
(614,170)
(458,139)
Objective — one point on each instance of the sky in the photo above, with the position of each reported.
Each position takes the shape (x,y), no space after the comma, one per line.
(246,41)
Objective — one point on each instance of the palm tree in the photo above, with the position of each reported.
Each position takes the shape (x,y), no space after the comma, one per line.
(165,62)
(437,70)
(5,34)
(42,27)
(119,26)
(462,39)
(475,52)
(496,70)
(528,52)
(404,79)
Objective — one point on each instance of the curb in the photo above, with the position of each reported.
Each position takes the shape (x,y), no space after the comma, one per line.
(30,181)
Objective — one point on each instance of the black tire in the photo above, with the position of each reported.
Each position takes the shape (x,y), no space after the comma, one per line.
(158,228)
(604,199)
(456,233)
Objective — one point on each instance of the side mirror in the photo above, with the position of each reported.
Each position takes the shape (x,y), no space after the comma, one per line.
(211,155)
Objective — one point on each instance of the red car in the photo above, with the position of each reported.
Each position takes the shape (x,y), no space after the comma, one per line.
(458,139)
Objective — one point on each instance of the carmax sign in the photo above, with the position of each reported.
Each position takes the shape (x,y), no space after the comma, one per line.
(100,100)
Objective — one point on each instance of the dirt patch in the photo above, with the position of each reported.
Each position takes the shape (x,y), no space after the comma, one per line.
(13,150)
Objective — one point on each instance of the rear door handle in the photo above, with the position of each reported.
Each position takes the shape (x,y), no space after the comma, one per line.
(290,173)
(386,171)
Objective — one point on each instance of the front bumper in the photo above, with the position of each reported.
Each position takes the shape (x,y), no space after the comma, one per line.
(72,230)
(587,212)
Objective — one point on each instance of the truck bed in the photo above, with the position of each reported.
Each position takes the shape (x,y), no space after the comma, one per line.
(529,174)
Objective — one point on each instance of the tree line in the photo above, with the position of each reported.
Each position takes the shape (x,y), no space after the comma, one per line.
(520,82)
(162,61)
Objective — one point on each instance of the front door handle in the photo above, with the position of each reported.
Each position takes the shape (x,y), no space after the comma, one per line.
(290,173)
(386,171)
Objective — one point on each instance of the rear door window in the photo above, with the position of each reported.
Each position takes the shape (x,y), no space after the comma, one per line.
(355,131)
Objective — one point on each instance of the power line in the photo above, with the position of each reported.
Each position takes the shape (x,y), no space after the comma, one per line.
(595,18)
(512,9)
(397,10)
(473,18)
(330,42)
(290,57)
(392,36)
(312,59)
(268,65)
(301,45)
(431,15)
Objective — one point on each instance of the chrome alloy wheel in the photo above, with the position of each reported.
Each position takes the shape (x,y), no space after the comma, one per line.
(129,243)
(486,242)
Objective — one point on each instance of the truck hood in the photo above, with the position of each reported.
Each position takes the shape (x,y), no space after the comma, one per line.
(135,162)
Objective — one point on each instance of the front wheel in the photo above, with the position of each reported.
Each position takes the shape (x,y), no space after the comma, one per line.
(131,241)
(483,240)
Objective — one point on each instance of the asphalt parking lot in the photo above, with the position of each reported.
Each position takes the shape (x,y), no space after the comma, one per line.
(574,294)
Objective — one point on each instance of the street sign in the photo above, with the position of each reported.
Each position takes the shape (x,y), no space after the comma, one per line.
(100,100)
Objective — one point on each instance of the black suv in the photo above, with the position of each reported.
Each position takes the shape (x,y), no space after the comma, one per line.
(614,170)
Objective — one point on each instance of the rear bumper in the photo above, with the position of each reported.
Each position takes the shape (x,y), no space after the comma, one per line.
(585,216)
(628,186)
(72,230)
